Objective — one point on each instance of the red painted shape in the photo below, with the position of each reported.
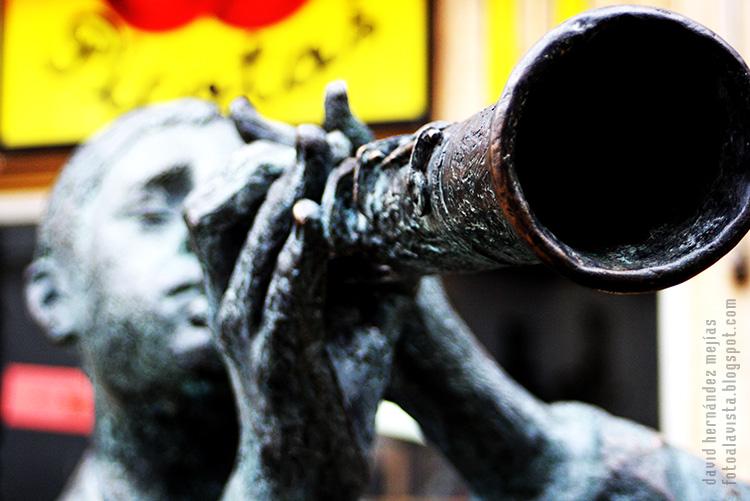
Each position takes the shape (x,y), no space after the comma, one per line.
(165,15)
(161,15)
(47,398)
(253,14)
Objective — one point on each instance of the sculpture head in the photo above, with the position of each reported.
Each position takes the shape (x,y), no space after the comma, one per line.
(113,271)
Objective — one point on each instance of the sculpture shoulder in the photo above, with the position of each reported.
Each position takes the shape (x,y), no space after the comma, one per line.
(629,459)
(83,485)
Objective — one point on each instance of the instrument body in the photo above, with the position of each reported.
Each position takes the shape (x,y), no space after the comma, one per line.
(618,153)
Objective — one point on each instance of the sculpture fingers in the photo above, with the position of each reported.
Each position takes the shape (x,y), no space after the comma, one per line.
(339,116)
(293,309)
(309,450)
(252,126)
(219,213)
(241,309)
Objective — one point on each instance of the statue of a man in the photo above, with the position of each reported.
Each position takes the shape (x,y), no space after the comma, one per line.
(505,442)
(309,353)
(115,273)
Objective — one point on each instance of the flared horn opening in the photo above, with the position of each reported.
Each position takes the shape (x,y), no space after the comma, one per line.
(621,149)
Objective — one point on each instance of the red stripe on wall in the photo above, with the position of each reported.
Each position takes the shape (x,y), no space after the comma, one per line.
(47,398)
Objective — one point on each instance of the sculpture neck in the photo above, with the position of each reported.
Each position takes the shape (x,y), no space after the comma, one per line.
(164,450)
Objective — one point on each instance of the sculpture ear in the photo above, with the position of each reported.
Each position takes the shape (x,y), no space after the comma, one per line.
(49,301)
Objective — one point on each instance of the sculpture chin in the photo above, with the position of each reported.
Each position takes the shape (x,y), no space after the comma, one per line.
(193,348)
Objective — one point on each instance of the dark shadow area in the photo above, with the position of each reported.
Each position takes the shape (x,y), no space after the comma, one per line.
(562,341)
(33,464)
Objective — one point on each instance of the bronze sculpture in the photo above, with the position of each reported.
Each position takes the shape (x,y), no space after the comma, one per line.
(113,274)
(310,304)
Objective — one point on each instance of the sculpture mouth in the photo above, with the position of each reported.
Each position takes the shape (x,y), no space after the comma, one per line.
(622,152)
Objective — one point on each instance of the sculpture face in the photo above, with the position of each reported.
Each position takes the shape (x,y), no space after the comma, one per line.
(141,286)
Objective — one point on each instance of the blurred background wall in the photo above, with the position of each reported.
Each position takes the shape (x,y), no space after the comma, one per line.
(69,66)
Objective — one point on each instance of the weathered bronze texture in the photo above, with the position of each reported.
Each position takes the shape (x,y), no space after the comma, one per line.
(114,276)
(617,154)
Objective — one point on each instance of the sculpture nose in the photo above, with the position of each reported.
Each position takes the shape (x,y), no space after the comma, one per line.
(185,245)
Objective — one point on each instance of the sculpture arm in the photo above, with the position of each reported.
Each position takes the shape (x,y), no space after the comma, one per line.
(509,445)
(492,430)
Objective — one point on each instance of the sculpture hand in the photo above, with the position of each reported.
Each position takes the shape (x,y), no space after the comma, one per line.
(308,361)
(297,441)
(268,325)
(220,213)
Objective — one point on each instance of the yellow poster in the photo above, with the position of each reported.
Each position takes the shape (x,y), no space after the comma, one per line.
(69,66)
(514,26)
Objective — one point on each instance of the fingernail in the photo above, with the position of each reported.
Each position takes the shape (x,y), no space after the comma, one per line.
(305,210)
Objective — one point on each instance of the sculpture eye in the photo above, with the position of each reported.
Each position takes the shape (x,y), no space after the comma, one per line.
(153,216)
